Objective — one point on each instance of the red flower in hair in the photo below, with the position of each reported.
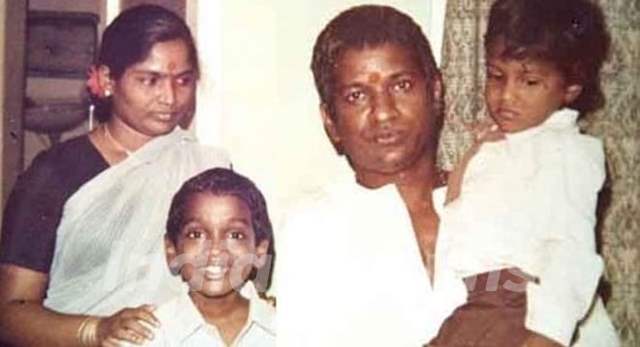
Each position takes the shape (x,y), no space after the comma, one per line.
(93,82)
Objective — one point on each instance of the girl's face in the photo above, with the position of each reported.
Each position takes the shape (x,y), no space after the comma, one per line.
(153,96)
(521,94)
(216,247)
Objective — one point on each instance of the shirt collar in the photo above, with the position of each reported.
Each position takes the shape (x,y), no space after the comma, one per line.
(188,320)
(260,311)
(563,119)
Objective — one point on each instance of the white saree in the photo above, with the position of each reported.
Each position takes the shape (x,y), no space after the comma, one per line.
(109,251)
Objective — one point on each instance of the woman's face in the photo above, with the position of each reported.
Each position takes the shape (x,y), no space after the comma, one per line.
(153,96)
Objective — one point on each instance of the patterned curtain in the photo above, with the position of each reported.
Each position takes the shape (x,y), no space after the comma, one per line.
(617,124)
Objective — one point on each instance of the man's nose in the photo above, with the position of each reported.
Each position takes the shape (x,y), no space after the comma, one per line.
(384,108)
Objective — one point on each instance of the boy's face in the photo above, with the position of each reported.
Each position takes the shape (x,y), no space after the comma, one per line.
(383,109)
(522,93)
(216,247)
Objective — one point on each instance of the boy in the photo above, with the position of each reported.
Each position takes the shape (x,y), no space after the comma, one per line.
(219,239)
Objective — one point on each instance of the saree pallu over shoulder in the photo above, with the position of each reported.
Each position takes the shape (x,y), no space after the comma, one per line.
(109,251)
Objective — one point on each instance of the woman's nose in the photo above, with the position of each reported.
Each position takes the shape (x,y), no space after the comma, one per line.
(167,92)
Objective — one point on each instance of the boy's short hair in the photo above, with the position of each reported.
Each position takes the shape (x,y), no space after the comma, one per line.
(570,34)
(360,27)
(222,182)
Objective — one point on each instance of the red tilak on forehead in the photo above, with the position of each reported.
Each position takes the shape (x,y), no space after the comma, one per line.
(374,77)
(172,66)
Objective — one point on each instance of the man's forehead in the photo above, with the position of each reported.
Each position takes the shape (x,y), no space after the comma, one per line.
(373,63)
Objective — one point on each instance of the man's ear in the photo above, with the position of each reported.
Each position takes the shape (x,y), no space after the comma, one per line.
(438,89)
(330,128)
(571,93)
(171,254)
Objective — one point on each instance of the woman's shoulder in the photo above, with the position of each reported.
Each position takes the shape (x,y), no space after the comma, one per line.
(69,150)
(67,161)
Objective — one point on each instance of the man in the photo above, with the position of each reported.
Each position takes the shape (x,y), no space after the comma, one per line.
(356,264)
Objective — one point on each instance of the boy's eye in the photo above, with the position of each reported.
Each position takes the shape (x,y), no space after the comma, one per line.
(493,75)
(237,235)
(194,234)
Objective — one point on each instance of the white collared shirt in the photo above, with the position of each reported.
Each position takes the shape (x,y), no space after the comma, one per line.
(183,325)
(349,273)
(529,201)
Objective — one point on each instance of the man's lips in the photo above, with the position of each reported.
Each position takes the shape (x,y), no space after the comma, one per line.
(388,137)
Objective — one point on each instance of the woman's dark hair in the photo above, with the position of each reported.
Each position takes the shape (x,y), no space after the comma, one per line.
(131,36)
(570,34)
(225,182)
(366,26)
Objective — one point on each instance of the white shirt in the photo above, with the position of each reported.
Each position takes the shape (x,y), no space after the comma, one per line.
(183,325)
(529,201)
(349,273)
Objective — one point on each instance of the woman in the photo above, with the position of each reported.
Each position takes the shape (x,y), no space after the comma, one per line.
(80,242)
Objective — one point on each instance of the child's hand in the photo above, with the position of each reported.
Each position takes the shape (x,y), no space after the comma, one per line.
(132,325)
(485,131)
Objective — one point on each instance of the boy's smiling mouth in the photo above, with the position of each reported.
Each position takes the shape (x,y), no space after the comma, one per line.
(215,272)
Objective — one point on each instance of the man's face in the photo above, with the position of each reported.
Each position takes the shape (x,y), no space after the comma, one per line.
(384,118)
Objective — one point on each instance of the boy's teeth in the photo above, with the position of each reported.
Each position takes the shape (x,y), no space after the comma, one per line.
(214,269)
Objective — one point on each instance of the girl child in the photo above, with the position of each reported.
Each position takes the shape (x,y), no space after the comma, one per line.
(521,213)
(219,239)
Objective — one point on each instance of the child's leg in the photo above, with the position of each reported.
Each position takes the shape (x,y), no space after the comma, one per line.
(493,315)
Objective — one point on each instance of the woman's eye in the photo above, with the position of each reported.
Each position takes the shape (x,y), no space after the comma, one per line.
(149,81)
(185,80)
